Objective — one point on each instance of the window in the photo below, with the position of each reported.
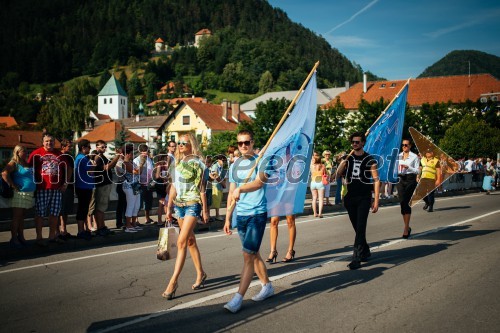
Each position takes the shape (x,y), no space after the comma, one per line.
(382,85)
(185,120)
(110,101)
(172,138)
(105,101)
(393,85)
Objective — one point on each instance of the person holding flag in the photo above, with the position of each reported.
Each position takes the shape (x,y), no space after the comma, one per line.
(357,167)
(251,218)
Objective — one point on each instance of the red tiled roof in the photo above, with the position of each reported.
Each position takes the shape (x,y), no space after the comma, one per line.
(102,116)
(204,32)
(109,131)
(176,101)
(159,40)
(8,121)
(425,90)
(29,139)
(212,116)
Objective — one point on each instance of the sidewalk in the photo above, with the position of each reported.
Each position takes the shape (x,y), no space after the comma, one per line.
(149,233)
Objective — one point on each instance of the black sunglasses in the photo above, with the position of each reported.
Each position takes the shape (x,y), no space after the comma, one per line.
(246,143)
(356,142)
(405,145)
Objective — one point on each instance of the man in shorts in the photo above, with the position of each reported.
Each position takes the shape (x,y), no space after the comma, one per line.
(104,177)
(52,176)
(251,208)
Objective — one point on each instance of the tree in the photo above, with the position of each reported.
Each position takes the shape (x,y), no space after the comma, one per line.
(120,139)
(330,129)
(471,137)
(267,117)
(219,142)
(103,79)
(266,82)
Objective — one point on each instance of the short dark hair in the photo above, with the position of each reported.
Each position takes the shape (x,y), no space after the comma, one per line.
(100,142)
(246,132)
(171,141)
(66,142)
(143,148)
(83,143)
(358,134)
(409,141)
(127,149)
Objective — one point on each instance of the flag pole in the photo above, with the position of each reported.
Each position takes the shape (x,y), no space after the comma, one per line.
(381,114)
(387,107)
(282,120)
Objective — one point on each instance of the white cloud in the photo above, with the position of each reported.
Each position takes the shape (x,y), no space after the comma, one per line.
(353,16)
(351,42)
(484,17)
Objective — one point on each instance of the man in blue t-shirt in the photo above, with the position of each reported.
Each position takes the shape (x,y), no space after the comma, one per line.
(84,185)
(251,210)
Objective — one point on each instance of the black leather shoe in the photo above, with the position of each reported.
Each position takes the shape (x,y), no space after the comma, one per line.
(430,210)
(426,206)
(409,233)
(355,264)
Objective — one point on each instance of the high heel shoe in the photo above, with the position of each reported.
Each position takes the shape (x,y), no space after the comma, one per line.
(274,255)
(409,233)
(201,284)
(170,295)
(292,256)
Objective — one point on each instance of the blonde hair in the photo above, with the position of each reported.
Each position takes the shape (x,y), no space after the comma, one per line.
(195,147)
(15,157)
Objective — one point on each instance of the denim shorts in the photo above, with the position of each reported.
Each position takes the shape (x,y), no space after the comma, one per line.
(251,231)
(191,210)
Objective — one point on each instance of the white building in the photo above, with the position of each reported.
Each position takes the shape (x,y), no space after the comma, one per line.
(112,100)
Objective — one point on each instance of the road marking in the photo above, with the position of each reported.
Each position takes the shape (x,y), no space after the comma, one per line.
(197,238)
(339,257)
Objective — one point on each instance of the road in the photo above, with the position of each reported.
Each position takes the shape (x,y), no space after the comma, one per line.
(444,278)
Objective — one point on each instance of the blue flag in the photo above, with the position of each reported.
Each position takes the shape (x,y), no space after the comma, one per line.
(288,156)
(385,137)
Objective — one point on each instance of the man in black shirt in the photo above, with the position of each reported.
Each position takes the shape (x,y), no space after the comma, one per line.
(360,169)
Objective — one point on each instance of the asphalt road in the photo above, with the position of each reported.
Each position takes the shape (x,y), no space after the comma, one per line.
(445,278)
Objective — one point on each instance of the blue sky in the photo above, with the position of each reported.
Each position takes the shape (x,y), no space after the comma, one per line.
(399,39)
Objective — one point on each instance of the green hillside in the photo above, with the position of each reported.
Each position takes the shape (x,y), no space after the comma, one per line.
(457,63)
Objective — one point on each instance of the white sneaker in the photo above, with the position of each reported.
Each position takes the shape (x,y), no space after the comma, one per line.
(266,292)
(130,230)
(137,228)
(234,305)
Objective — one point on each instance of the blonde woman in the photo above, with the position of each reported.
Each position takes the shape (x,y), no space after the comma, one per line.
(317,187)
(19,175)
(188,195)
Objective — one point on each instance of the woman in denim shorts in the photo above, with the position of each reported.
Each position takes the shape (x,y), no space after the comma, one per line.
(188,196)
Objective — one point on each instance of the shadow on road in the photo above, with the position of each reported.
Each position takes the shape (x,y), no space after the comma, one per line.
(213,318)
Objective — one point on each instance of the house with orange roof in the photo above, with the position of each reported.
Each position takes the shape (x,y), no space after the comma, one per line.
(162,103)
(108,132)
(11,138)
(455,89)
(203,33)
(204,119)
(6,122)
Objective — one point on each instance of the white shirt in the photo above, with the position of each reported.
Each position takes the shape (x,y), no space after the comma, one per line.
(412,161)
(147,170)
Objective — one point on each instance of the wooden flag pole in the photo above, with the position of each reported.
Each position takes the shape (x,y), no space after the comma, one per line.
(282,120)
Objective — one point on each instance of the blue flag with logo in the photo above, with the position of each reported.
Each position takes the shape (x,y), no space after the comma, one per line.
(385,137)
(288,156)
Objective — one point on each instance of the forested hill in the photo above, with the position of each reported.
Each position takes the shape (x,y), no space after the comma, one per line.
(457,63)
(52,41)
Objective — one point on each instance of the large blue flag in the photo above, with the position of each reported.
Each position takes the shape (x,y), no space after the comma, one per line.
(385,137)
(288,156)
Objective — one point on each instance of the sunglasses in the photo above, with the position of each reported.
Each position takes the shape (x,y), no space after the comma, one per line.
(103,147)
(405,145)
(246,143)
(355,142)
(182,143)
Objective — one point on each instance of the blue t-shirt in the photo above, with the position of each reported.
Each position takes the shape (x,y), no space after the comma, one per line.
(82,178)
(23,178)
(250,203)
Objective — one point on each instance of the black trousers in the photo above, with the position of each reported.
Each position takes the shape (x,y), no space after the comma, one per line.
(121,206)
(84,197)
(406,187)
(358,209)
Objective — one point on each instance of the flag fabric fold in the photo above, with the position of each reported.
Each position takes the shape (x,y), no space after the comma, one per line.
(288,156)
(385,136)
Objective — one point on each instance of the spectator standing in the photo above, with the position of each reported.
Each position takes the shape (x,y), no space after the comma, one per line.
(121,204)
(104,177)
(131,187)
(487,182)
(218,184)
(19,175)
(408,169)
(317,187)
(68,196)
(361,177)
(328,162)
(84,187)
(145,164)
(52,176)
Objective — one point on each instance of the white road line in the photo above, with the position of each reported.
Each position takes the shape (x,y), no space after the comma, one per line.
(340,257)
(198,239)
